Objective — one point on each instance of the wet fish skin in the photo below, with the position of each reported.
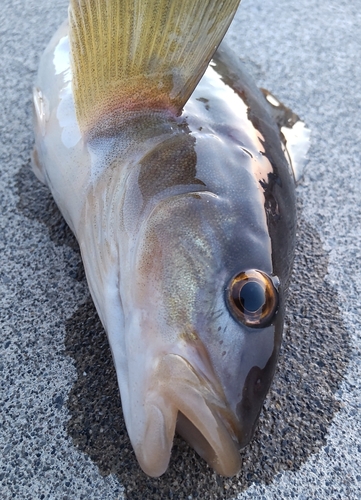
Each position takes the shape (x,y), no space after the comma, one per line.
(167,210)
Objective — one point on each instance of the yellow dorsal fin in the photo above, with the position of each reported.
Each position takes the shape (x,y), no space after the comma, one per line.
(139,54)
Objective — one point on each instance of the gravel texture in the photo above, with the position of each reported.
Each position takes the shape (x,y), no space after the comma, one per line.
(62,434)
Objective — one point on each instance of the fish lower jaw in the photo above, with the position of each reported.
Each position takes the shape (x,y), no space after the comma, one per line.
(203,430)
(218,450)
(181,403)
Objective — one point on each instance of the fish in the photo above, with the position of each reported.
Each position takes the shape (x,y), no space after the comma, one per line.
(168,165)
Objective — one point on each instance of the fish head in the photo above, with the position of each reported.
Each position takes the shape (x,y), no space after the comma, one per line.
(203,318)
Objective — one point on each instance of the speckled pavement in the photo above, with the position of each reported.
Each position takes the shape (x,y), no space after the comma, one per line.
(62,434)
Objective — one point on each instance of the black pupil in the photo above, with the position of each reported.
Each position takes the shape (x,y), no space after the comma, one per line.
(252,296)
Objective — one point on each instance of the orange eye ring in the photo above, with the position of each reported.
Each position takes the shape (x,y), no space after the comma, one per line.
(252,298)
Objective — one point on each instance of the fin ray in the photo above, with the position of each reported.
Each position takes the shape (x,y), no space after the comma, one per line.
(133,54)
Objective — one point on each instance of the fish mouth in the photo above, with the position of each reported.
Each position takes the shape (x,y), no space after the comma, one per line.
(186,402)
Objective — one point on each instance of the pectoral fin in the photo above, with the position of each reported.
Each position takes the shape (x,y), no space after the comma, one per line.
(139,54)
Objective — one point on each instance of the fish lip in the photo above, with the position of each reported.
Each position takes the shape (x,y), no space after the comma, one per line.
(154,449)
(215,397)
(225,459)
(208,424)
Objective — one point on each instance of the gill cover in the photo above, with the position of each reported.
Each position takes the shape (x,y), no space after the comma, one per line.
(129,55)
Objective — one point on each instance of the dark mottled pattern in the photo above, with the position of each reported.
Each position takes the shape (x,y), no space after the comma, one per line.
(297,412)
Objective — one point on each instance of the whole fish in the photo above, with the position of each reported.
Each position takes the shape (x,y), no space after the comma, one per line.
(170,171)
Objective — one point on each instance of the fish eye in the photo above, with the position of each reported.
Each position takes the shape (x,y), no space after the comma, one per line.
(252,298)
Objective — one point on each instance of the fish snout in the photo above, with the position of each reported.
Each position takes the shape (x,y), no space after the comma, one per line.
(185,401)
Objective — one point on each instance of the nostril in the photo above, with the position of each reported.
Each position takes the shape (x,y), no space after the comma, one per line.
(258,385)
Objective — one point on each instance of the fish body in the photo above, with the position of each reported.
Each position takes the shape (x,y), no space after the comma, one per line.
(186,226)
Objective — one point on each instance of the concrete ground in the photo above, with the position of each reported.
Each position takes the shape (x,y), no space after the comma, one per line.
(62,434)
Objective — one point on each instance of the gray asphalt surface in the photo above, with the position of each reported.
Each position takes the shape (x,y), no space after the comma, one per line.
(62,435)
